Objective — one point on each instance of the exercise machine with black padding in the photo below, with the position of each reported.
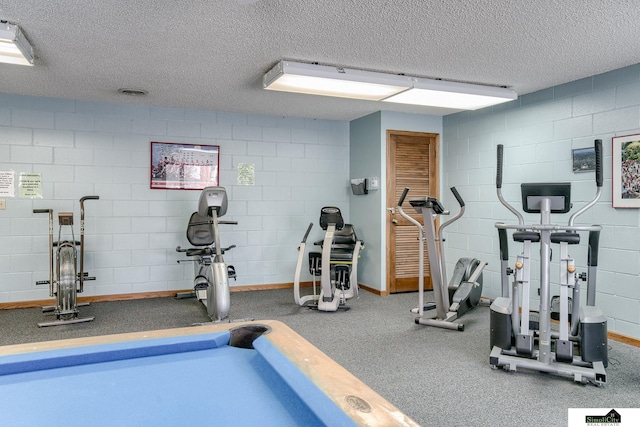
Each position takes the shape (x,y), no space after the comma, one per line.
(464,291)
(211,272)
(523,334)
(336,265)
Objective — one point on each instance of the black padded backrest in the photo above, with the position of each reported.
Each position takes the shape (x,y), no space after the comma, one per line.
(200,230)
(331,215)
(346,236)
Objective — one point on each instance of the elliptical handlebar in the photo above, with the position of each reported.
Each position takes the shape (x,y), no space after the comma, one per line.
(499,166)
(456,216)
(404,215)
(304,239)
(598,149)
(513,210)
(403,196)
(457,196)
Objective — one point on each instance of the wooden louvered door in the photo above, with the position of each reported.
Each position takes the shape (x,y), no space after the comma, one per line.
(412,161)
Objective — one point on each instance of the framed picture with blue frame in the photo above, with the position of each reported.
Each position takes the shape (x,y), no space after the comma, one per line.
(177,166)
(626,171)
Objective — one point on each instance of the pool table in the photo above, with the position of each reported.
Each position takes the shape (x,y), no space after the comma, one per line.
(237,374)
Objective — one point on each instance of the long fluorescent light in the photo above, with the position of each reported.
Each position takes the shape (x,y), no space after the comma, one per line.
(314,79)
(464,96)
(14,46)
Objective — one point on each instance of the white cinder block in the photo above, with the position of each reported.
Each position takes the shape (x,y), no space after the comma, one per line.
(32,119)
(34,155)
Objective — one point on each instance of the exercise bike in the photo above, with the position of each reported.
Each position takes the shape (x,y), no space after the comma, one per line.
(65,281)
(523,338)
(464,291)
(340,252)
(212,274)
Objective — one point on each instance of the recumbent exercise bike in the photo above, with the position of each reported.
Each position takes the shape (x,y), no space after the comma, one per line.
(340,252)
(212,274)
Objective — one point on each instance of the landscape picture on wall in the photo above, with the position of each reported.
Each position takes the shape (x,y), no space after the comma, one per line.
(626,171)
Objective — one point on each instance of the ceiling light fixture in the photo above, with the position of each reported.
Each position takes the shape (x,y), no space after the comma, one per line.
(315,79)
(462,96)
(325,80)
(14,46)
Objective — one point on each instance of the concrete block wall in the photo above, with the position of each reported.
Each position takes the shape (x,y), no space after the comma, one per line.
(538,131)
(85,148)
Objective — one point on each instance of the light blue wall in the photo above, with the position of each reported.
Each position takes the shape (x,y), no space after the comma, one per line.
(539,130)
(83,148)
(366,157)
(368,148)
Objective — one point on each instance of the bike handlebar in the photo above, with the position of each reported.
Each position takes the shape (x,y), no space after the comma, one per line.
(82,199)
(42,210)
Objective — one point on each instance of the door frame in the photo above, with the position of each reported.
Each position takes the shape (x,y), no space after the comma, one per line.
(434,191)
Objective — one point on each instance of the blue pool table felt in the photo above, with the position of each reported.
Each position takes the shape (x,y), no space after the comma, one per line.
(185,378)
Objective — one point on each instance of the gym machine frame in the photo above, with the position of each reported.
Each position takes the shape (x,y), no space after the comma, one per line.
(333,295)
(514,334)
(67,281)
(452,299)
(211,273)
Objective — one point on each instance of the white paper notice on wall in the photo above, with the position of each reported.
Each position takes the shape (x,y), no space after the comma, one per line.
(246,174)
(7,184)
(30,186)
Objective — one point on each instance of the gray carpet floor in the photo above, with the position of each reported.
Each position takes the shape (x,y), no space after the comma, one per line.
(438,377)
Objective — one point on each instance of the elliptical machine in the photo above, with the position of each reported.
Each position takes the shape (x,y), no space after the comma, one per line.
(523,338)
(464,290)
(65,281)
(340,252)
(212,274)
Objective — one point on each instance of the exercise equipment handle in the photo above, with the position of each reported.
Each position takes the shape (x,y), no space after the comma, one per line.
(499,166)
(228,222)
(457,196)
(513,210)
(50,212)
(82,274)
(304,239)
(82,199)
(598,147)
(402,197)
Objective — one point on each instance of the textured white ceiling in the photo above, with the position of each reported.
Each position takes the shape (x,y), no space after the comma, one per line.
(212,54)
